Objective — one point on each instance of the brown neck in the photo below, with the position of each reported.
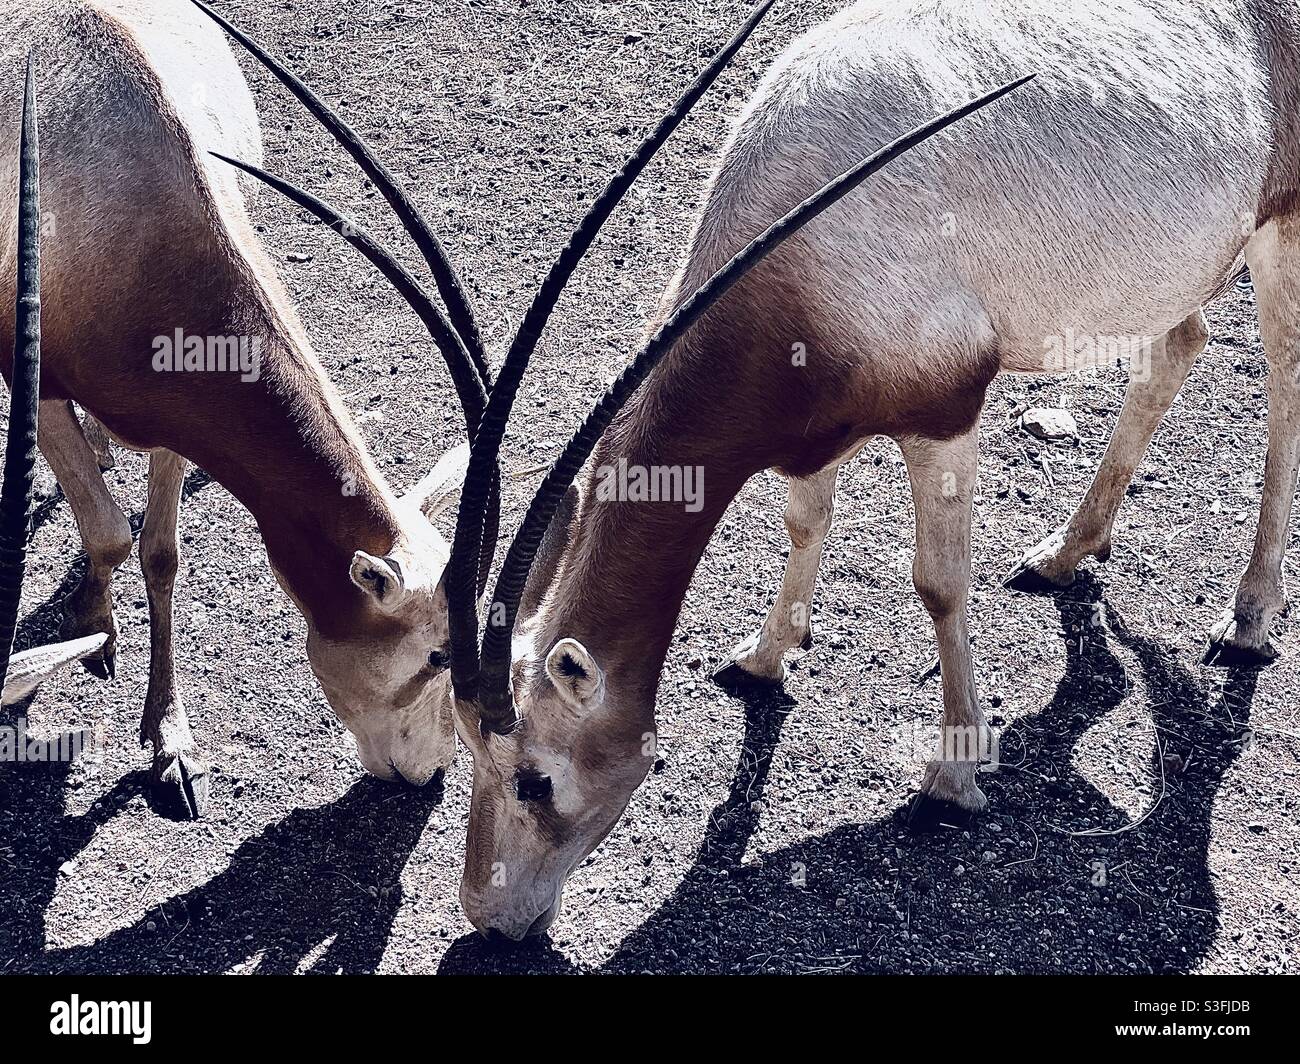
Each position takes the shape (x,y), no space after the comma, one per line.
(625,572)
(282,444)
(296,462)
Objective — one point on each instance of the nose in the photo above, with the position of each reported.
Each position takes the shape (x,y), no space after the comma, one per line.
(510,933)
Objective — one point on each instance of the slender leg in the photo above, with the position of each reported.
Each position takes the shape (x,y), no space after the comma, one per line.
(808,513)
(179,774)
(1242,634)
(105,531)
(97,437)
(942,473)
(1153,385)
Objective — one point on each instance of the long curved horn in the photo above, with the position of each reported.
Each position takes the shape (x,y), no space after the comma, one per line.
(449,285)
(20,447)
(470,543)
(469,384)
(466,351)
(497,706)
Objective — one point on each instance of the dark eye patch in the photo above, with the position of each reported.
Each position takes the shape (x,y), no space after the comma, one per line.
(439,659)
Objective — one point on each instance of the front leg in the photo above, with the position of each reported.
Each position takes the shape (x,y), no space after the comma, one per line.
(942,473)
(759,659)
(179,774)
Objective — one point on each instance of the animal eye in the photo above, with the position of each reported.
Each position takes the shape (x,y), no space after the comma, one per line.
(439,660)
(532,788)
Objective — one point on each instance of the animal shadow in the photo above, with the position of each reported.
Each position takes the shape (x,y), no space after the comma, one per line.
(315,892)
(1055,878)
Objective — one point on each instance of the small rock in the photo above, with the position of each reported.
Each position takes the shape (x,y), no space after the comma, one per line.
(1049,423)
(67,868)
(298,256)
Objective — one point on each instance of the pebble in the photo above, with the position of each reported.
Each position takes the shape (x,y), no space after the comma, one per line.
(1049,423)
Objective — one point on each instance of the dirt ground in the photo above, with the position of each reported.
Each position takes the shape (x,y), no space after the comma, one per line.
(1145,816)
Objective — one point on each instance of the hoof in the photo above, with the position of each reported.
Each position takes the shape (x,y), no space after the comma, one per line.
(732,677)
(1219,655)
(102,664)
(180,785)
(929,815)
(1030,581)
(78,624)
(807,642)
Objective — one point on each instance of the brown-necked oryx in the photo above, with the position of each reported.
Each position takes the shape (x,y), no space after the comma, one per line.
(1112,198)
(148,244)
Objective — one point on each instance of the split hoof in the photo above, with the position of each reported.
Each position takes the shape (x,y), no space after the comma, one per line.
(929,815)
(1029,581)
(102,664)
(733,677)
(1222,655)
(78,624)
(180,785)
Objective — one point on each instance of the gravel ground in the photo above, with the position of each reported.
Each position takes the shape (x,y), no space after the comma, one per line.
(1145,815)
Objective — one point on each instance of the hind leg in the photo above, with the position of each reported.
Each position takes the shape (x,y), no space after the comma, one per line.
(808,513)
(1151,390)
(179,773)
(1242,633)
(105,531)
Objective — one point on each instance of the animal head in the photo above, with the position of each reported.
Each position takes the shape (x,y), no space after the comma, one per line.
(548,791)
(387,677)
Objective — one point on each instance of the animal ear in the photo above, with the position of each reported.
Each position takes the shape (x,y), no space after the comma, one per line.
(31,668)
(575,674)
(380,578)
(440,488)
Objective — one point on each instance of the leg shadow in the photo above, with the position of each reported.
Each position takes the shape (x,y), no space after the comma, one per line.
(1056,878)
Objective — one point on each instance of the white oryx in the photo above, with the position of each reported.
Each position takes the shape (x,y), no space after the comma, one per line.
(1112,197)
